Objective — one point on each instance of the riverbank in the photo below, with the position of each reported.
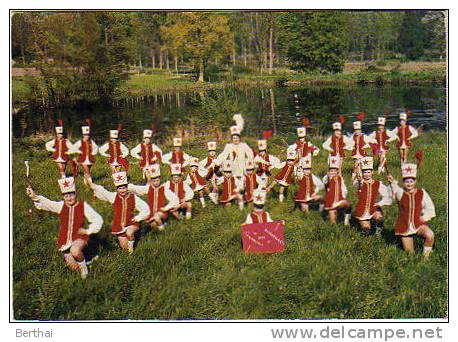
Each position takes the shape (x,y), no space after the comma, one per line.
(195,269)
(353,73)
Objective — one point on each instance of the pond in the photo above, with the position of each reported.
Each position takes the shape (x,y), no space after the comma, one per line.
(279,109)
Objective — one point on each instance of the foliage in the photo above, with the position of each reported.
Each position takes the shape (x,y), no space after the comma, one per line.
(413,35)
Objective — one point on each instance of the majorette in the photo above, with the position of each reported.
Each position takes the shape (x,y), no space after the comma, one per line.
(302,146)
(231,187)
(336,192)
(237,152)
(146,152)
(258,214)
(86,148)
(177,155)
(115,151)
(182,190)
(369,191)
(415,209)
(60,148)
(196,180)
(360,141)
(309,186)
(264,161)
(337,143)
(286,175)
(160,199)
(208,164)
(125,203)
(404,133)
(382,137)
(250,182)
(73,237)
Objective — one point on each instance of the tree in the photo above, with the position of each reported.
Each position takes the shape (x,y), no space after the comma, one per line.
(435,23)
(313,41)
(412,35)
(201,36)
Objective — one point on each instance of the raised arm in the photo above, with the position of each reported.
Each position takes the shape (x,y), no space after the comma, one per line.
(101,193)
(50,146)
(327,144)
(135,152)
(42,203)
(103,150)
(94,219)
(138,189)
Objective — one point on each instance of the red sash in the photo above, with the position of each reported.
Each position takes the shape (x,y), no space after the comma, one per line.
(196,179)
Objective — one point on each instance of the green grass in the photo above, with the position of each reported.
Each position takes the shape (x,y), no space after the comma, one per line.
(196,269)
(20,89)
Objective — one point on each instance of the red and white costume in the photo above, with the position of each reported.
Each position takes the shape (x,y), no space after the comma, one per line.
(303,148)
(337,145)
(310,185)
(415,208)
(250,183)
(336,191)
(72,218)
(115,151)
(382,138)
(360,142)
(176,157)
(258,215)
(86,149)
(195,178)
(60,149)
(147,153)
(181,189)
(230,185)
(264,161)
(124,207)
(286,175)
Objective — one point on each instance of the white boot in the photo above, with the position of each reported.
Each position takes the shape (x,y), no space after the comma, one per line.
(83,269)
(213,197)
(281,197)
(427,251)
(188,215)
(202,201)
(161,227)
(321,207)
(130,246)
(347,219)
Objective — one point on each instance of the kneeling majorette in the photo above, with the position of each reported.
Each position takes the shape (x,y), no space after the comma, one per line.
(360,142)
(60,148)
(404,134)
(72,238)
(264,161)
(250,182)
(160,199)
(86,148)
(309,186)
(286,176)
(115,151)
(182,190)
(197,181)
(336,192)
(415,209)
(124,202)
(146,152)
(177,155)
(337,143)
(380,147)
(369,190)
(258,214)
(231,188)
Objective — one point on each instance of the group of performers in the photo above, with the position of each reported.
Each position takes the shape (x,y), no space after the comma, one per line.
(238,175)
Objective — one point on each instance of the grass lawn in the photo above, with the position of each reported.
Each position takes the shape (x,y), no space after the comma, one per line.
(196,269)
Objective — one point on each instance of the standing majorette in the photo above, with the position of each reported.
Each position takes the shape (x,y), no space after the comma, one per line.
(337,143)
(380,147)
(309,186)
(415,209)
(177,155)
(302,146)
(258,215)
(182,190)
(404,133)
(250,182)
(285,176)
(264,161)
(236,151)
(360,142)
(369,190)
(115,151)
(231,187)
(336,192)
(160,199)
(72,238)
(209,166)
(86,148)
(124,202)
(196,180)
(146,152)
(60,148)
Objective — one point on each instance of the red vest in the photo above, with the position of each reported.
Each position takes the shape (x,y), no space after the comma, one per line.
(114,152)
(358,148)
(286,174)
(258,217)
(263,168)
(303,148)
(61,149)
(381,138)
(196,179)
(250,184)
(228,189)
(367,195)
(146,154)
(123,208)
(337,145)
(306,189)
(410,208)
(177,157)
(210,171)
(404,136)
(333,192)
(156,199)
(71,219)
(86,151)
(178,189)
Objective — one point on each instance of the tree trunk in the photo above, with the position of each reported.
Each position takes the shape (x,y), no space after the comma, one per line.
(161,59)
(167,60)
(233,53)
(244,54)
(271,50)
(272,109)
(153,60)
(201,72)
(175,58)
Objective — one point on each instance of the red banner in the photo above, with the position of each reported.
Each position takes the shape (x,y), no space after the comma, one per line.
(263,237)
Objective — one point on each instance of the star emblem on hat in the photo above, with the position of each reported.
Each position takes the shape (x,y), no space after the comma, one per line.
(119,178)
(408,169)
(333,161)
(259,198)
(365,162)
(66,183)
